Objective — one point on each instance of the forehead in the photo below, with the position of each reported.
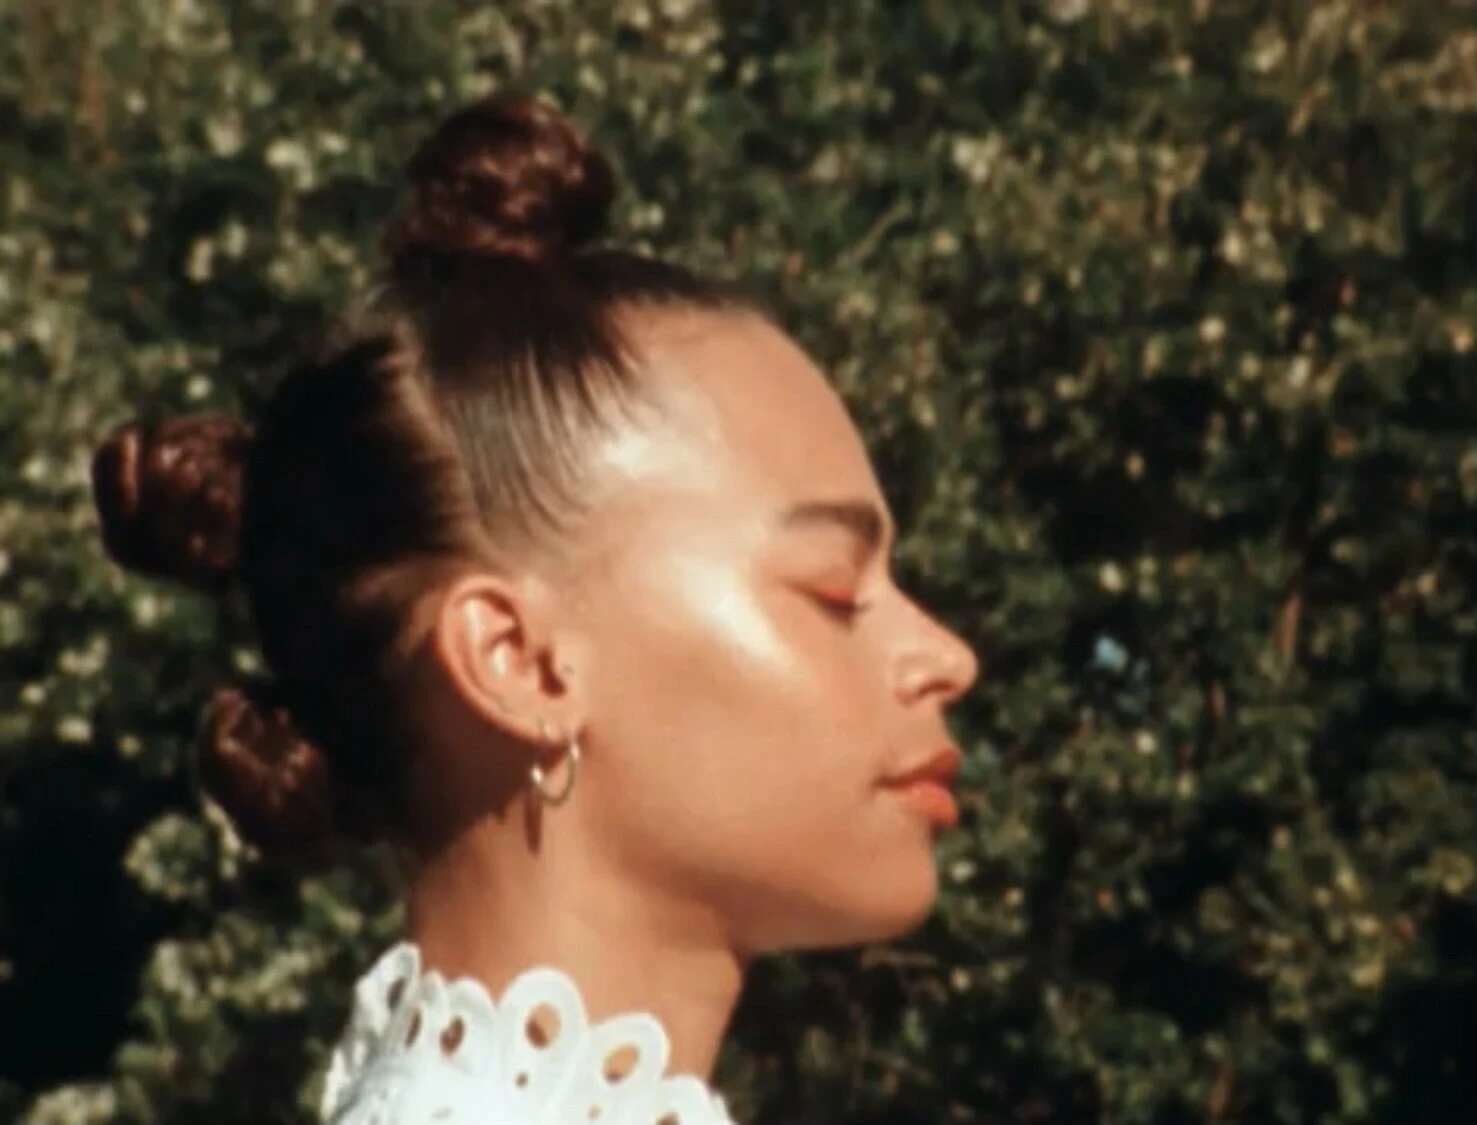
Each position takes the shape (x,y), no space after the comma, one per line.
(737,392)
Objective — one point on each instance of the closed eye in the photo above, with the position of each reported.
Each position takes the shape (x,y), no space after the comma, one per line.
(845,608)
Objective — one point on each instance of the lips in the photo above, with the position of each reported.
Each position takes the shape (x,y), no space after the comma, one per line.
(940,767)
(924,786)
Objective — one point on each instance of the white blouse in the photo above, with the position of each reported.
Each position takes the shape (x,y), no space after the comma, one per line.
(421,1050)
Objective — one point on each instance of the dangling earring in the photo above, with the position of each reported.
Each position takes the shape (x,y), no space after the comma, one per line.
(538,778)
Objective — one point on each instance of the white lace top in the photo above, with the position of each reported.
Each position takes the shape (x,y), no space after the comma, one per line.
(421,1050)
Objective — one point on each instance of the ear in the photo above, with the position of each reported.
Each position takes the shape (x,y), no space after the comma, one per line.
(493,637)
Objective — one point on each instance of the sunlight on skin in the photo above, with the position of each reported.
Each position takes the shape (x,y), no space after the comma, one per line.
(746,674)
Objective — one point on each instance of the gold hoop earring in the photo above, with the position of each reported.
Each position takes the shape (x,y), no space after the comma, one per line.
(538,778)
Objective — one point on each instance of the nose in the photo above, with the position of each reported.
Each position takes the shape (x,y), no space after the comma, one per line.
(934,662)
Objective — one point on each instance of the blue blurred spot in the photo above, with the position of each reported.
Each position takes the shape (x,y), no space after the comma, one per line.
(1108,654)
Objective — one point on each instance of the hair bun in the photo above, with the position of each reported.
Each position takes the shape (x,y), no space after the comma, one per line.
(504,177)
(271,782)
(169,497)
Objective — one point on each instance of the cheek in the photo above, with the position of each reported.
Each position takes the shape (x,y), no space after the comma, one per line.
(739,739)
(725,690)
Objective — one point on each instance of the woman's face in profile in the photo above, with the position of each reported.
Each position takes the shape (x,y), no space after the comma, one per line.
(754,678)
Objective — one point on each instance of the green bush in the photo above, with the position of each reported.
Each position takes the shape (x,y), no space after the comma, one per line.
(1160,318)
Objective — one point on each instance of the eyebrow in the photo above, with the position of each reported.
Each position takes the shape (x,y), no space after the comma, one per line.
(861,518)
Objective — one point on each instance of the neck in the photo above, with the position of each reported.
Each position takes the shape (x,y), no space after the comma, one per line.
(489,907)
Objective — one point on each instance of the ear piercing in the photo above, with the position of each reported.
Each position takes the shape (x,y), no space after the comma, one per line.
(538,777)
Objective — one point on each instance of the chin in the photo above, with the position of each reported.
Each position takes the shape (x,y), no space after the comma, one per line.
(838,902)
(908,909)
(902,892)
(884,910)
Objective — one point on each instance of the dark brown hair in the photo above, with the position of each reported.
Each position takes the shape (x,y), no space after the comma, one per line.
(442,431)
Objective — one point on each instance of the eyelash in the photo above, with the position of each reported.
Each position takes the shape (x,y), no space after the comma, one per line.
(844,609)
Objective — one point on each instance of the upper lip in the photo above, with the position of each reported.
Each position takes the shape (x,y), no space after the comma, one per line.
(940,765)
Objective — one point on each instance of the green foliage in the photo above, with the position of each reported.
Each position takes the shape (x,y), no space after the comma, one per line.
(1160,317)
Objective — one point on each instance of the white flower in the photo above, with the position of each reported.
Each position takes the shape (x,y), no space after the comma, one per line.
(1110,577)
(1067,11)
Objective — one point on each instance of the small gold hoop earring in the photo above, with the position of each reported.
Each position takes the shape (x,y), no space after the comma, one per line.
(539,778)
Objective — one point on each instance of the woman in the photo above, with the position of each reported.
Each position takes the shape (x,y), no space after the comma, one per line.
(571,575)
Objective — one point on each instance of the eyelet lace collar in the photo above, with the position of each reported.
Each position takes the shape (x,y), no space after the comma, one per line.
(421,1050)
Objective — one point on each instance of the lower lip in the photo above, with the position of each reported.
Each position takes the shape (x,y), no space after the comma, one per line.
(932,799)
